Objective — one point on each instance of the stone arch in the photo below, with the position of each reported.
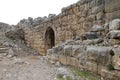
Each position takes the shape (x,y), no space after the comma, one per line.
(49,38)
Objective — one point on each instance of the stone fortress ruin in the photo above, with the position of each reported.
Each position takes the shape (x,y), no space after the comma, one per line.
(84,35)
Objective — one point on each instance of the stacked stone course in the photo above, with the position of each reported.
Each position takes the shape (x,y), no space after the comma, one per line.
(93,30)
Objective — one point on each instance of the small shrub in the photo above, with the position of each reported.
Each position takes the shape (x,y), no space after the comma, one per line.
(110,67)
(68,78)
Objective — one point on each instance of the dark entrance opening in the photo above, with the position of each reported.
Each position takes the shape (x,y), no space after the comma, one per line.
(49,38)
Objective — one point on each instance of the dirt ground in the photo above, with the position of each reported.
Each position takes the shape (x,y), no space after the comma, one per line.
(26,68)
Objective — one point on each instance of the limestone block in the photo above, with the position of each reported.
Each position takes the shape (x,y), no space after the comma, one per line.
(96,28)
(78,15)
(75,9)
(70,12)
(112,5)
(68,60)
(110,75)
(49,51)
(68,50)
(91,18)
(91,66)
(99,2)
(55,49)
(82,19)
(99,54)
(116,57)
(97,9)
(92,35)
(112,15)
(114,34)
(78,51)
(63,59)
(114,41)
(70,42)
(100,68)
(87,26)
(84,13)
(93,41)
(74,62)
(100,15)
(54,57)
(114,24)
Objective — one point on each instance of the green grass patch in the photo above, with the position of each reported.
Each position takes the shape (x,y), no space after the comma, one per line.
(85,74)
(61,78)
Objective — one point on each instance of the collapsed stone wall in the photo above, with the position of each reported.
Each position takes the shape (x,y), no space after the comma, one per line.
(73,21)
(93,26)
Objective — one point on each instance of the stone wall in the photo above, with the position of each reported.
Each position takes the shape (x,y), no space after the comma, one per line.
(73,21)
(86,35)
(99,52)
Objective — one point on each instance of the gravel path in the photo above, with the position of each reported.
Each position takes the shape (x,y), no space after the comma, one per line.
(27,68)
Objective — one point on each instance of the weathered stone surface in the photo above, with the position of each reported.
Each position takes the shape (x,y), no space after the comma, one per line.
(112,15)
(92,35)
(100,16)
(68,50)
(68,60)
(63,59)
(112,5)
(114,25)
(86,19)
(110,75)
(98,54)
(74,62)
(78,50)
(97,28)
(116,57)
(114,41)
(91,18)
(114,34)
(91,66)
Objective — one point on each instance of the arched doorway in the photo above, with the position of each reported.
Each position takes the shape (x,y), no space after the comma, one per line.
(49,38)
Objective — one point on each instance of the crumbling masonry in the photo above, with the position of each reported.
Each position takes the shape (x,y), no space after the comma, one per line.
(85,35)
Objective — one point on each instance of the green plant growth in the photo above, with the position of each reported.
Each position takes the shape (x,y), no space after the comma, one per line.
(85,74)
(110,67)
(67,78)
(60,77)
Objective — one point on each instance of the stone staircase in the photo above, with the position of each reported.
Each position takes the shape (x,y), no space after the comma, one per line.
(3,50)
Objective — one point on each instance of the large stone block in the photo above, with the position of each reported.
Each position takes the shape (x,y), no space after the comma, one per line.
(116,58)
(110,75)
(91,18)
(74,62)
(78,51)
(112,15)
(112,5)
(50,51)
(96,28)
(114,42)
(100,16)
(68,60)
(114,24)
(68,50)
(114,34)
(97,9)
(92,35)
(91,66)
(63,59)
(99,54)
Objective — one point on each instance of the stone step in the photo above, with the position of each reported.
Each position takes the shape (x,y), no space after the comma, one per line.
(3,49)
(2,46)
(3,52)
